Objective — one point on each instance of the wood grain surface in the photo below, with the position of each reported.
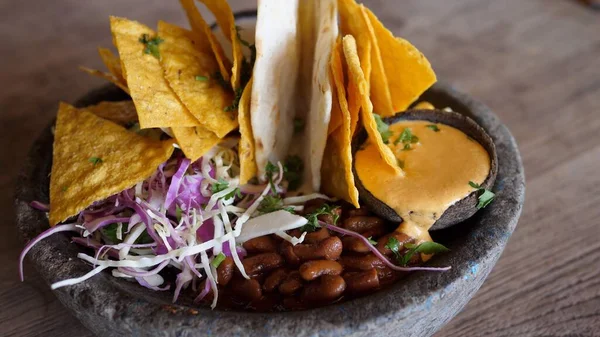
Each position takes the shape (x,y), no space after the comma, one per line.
(535,62)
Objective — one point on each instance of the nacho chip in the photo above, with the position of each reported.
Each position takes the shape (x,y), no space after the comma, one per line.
(121,112)
(358,80)
(156,104)
(94,158)
(113,64)
(194,142)
(337,178)
(424,106)
(206,36)
(189,71)
(354,99)
(337,75)
(410,72)
(106,76)
(246,147)
(226,21)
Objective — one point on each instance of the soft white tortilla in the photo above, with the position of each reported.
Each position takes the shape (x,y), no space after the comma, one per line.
(276,68)
(320,99)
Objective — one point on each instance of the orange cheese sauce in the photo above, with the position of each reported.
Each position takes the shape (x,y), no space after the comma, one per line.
(437,167)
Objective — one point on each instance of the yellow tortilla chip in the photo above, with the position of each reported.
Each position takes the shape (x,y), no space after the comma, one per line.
(337,78)
(424,106)
(410,73)
(353,23)
(206,36)
(337,178)
(121,112)
(357,79)
(156,104)
(113,64)
(106,76)
(226,21)
(189,71)
(194,142)
(248,167)
(354,100)
(94,158)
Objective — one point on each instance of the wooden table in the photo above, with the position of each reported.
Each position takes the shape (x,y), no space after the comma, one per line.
(535,62)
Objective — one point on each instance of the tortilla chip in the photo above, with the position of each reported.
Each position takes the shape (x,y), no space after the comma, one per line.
(156,104)
(106,76)
(354,99)
(424,106)
(410,72)
(194,142)
(183,61)
(336,69)
(206,36)
(112,63)
(94,158)
(357,79)
(337,178)
(248,167)
(121,112)
(353,23)
(226,21)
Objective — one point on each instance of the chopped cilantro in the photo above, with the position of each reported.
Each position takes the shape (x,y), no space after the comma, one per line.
(371,241)
(298,124)
(485,196)
(65,188)
(235,193)
(292,172)
(272,203)
(151,44)
(219,186)
(426,248)
(406,147)
(433,127)
(216,262)
(383,129)
(201,78)
(178,213)
(394,245)
(95,160)
(406,138)
(313,218)
(270,170)
(236,100)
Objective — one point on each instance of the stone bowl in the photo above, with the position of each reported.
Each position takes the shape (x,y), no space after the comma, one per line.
(418,305)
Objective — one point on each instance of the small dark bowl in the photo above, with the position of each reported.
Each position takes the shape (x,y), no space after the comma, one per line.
(418,305)
(464,208)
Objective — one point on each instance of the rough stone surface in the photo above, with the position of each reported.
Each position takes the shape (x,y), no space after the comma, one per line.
(417,306)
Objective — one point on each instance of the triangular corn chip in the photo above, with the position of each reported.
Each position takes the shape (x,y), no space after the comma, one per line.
(106,76)
(94,158)
(357,79)
(206,36)
(410,72)
(189,71)
(246,147)
(121,112)
(113,64)
(156,104)
(194,142)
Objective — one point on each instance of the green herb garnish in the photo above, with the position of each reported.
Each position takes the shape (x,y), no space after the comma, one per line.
(151,45)
(216,262)
(298,125)
(313,218)
(235,193)
(65,188)
(406,147)
(178,212)
(201,78)
(292,172)
(371,241)
(95,160)
(406,138)
(272,203)
(270,170)
(433,127)
(219,186)
(236,100)
(383,129)
(485,196)
(426,248)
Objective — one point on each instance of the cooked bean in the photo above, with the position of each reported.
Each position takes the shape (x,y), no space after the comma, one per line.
(358,212)
(287,250)
(330,249)
(327,288)
(291,284)
(331,218)
(362,224)
(312,205)
(247,289)
(356,245)
(361,262)
(262,263)
(362,281)
(225,271)
(312,269)
(383,241)
(274,279)
(387,276)
(261,244)
(317,236)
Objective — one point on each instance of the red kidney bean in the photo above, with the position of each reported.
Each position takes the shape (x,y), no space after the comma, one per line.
(313,269)
(330,249)
(291,284)
(274,279)
(262,263)
(362,224)
(362,281)
(327,288)
(361,262)
(261,244)
(247,289)
(352,244)
(225,271)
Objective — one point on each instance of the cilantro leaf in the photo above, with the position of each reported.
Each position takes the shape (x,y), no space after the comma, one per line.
(235,193)
(313,218)
(406,138)
(270,170)
(272,203)
(292,172)
(485,196)
(383,128)
(219,186)
(201,78)
(178,212)
(433,127)
(424,247)
(95,160)
(217,260)
(236,100)
(373,242)
(151,44)
(394,245)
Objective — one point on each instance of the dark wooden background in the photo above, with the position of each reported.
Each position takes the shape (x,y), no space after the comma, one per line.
(535,62)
